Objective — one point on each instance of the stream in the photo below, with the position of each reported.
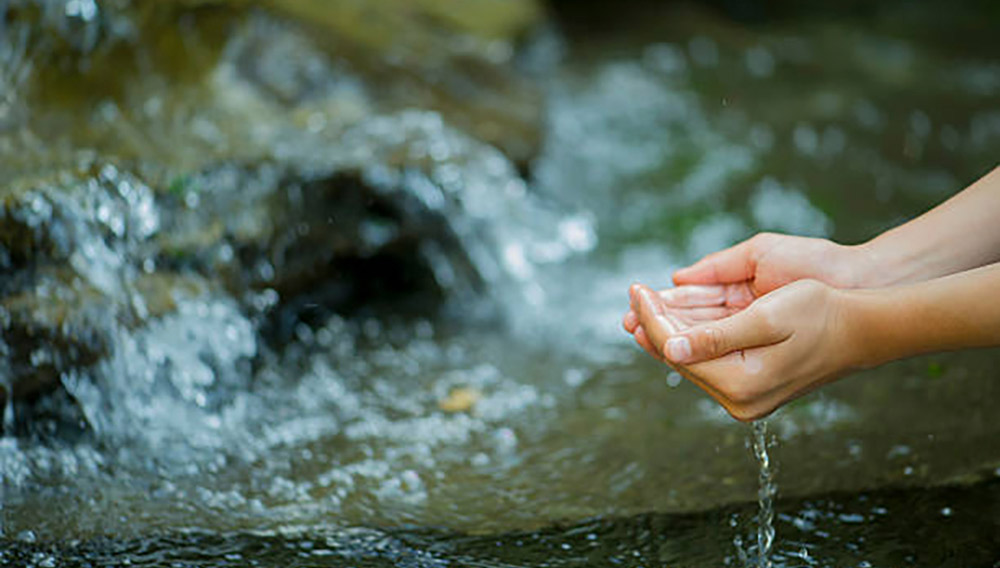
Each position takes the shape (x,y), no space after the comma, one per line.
(278,298)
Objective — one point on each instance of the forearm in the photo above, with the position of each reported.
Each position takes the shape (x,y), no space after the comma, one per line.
(959,234)
(952,312)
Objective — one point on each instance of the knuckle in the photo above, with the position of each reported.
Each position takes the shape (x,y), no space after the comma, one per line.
(713,342)
(763,238)
(766,318)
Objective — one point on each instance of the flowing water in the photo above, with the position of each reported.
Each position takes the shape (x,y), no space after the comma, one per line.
(510,424)
(766,493)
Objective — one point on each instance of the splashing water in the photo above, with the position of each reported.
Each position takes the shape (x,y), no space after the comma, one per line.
(7,386)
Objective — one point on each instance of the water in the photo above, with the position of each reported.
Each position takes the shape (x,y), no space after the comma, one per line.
(217,427)
(8,408)
(766,493)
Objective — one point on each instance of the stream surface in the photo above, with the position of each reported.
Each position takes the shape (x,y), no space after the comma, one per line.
(537,435)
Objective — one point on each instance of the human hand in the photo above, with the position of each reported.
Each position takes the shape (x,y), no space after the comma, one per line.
(752,360)
(733,278)
(681,307)
(769,261)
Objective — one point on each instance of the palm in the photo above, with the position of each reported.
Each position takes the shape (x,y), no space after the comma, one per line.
(686,306)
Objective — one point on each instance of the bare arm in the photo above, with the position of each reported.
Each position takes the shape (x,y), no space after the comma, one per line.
(952,312)
(961,233)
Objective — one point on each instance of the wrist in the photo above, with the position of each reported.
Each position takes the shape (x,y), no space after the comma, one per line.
(894,258)
(870,266)
(880,326)
(857,266)
(862,316)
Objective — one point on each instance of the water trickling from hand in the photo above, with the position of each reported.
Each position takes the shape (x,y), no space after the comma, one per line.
(766,491)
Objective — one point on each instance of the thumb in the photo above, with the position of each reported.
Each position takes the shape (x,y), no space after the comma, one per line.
(743,330)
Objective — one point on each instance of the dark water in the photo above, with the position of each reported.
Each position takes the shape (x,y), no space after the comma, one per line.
(925,527)
(668,133)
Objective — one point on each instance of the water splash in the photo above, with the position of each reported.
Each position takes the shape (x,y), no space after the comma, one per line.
(7,385)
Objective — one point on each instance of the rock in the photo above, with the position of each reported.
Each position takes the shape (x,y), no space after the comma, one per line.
(63,324)
(145,81)
(449,56)
(73,246)
(460,400)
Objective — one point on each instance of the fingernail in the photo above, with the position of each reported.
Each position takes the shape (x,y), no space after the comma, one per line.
(678,349)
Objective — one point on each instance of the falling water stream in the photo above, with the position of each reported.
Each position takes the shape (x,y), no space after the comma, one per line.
(766,492)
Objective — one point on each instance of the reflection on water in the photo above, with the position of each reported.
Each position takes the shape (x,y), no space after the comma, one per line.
(196,439)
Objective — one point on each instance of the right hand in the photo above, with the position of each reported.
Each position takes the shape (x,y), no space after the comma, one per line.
(752,361)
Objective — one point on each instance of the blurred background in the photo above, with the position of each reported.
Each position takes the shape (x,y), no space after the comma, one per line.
(339,282)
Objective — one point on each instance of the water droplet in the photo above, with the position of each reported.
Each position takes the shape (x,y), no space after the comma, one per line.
(674,379)
(85,10)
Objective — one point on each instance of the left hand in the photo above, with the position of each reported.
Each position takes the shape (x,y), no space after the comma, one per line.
(753,360)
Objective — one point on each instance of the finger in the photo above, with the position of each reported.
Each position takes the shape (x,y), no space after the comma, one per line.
(643,340)
(733,264)
(694,316)
(630,321)
(657,325)
(743,330)
(692,296)
(633,296)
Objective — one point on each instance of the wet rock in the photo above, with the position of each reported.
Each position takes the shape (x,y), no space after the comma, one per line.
(146,83)
(45,334)
(452,57)
(62,324)
(77,268)
(460,400)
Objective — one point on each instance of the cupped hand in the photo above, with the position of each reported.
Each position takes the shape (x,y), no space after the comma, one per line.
(730,280)
(751,360)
